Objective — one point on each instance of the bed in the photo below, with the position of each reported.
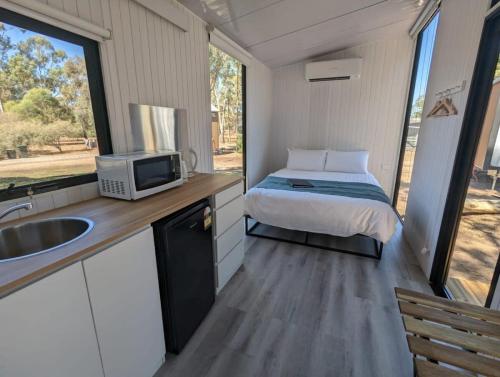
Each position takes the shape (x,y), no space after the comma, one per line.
(349,211)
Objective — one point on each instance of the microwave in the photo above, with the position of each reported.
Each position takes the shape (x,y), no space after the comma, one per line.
(132,176)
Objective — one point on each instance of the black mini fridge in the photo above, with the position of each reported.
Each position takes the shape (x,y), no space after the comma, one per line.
(185,262)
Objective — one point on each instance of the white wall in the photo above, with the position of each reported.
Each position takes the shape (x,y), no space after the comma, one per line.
(51,200)
(357,114)
(455,51)
(258,130)
(151,61)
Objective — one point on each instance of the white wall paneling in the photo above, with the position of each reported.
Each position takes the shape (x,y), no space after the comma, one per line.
(346,115)
(258,129)
(51,200)
(455,51)
(166,10)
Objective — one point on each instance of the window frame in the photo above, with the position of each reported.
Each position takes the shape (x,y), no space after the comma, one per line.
(409,105)
(97,98)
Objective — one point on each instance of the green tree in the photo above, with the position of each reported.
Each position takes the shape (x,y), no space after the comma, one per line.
(418,108)
(43,93)
(75,94)
(30,63)
(14,131)
(226,90)
(39,104)
(54,133)
(5,46)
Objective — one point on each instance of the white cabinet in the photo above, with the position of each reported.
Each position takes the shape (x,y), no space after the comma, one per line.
(46,329)
(124,294)
(228,233)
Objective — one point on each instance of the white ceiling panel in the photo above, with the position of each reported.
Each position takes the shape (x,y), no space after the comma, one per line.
(280,32)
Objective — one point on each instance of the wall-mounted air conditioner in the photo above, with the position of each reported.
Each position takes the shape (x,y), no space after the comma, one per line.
(344,69)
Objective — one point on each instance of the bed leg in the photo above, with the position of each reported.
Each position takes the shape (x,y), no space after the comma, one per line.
(248,231)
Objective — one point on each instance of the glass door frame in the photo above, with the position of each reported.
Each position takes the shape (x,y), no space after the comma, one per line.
(475,111)
(243,114)
(244,122)
(409,107)
(407,121)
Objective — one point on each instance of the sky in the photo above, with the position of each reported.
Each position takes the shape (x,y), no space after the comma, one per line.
(17,34)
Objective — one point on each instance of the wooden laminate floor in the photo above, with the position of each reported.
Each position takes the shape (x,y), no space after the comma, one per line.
(296,311)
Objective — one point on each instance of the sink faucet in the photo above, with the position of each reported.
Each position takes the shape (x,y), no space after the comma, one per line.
(26,206)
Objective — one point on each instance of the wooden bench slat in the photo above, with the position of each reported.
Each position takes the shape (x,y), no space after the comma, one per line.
(449,355)
(428,369)
(472,342)
(445,304)
(454,320)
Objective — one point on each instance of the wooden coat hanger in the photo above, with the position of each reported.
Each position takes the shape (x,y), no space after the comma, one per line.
(443,107)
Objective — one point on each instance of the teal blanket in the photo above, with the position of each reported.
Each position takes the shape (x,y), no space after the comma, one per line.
(349,189)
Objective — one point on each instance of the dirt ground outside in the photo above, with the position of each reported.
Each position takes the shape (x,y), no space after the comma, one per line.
(47,164)
(227,159)
(477,246)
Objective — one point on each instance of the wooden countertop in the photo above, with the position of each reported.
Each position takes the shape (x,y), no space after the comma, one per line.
(114,219)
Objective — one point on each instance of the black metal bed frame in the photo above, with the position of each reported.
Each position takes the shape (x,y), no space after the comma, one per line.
(378,246)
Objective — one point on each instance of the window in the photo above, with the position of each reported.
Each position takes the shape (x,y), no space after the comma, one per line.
(227,93)
(53,119)
(420,76)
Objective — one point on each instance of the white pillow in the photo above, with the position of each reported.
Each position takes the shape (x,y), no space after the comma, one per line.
(306,159)
(347,162)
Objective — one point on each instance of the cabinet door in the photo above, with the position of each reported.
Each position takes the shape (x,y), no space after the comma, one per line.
(46,329)
(125,299)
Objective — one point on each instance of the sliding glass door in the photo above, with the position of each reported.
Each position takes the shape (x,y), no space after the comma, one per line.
(477,244)
(227,93)
(467,255)
(420,76)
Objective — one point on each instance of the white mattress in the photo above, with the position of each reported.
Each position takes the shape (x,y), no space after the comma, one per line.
(319,213)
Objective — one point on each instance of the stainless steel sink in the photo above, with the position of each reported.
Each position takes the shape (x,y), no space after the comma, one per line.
(28,239)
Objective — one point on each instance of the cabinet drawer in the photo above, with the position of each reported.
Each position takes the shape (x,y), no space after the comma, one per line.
(228,215)
(228,240)
(229,265)
(227,195)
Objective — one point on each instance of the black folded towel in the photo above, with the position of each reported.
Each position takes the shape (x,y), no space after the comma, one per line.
(299,183)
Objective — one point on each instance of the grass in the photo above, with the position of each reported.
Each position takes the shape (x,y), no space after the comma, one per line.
(41,176)
(43,168)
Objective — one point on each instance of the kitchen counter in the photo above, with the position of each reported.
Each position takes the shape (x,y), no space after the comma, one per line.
(114,220)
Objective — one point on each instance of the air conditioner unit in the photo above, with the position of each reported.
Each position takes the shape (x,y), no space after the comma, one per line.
(344,69)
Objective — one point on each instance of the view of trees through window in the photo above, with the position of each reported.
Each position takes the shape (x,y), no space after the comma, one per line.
(226,92)
(46,121)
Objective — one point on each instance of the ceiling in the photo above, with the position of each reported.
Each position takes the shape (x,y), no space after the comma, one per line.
(280,32)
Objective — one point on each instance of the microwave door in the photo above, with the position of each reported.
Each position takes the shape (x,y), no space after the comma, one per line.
(154,172)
